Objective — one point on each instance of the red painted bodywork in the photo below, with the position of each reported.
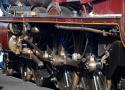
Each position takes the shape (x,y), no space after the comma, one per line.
(112,7)
(108,6)
(4,35)
(86,1)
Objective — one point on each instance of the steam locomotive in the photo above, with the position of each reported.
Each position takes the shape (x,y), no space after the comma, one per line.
(70,44)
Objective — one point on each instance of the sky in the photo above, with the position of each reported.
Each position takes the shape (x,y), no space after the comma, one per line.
(4,1)
(1,13)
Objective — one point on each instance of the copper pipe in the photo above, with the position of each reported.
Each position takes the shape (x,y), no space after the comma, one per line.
(84,29)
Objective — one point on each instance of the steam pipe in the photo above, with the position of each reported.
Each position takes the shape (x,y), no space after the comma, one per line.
(84,29)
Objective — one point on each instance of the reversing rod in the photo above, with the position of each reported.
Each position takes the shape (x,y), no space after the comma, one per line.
(83,29)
